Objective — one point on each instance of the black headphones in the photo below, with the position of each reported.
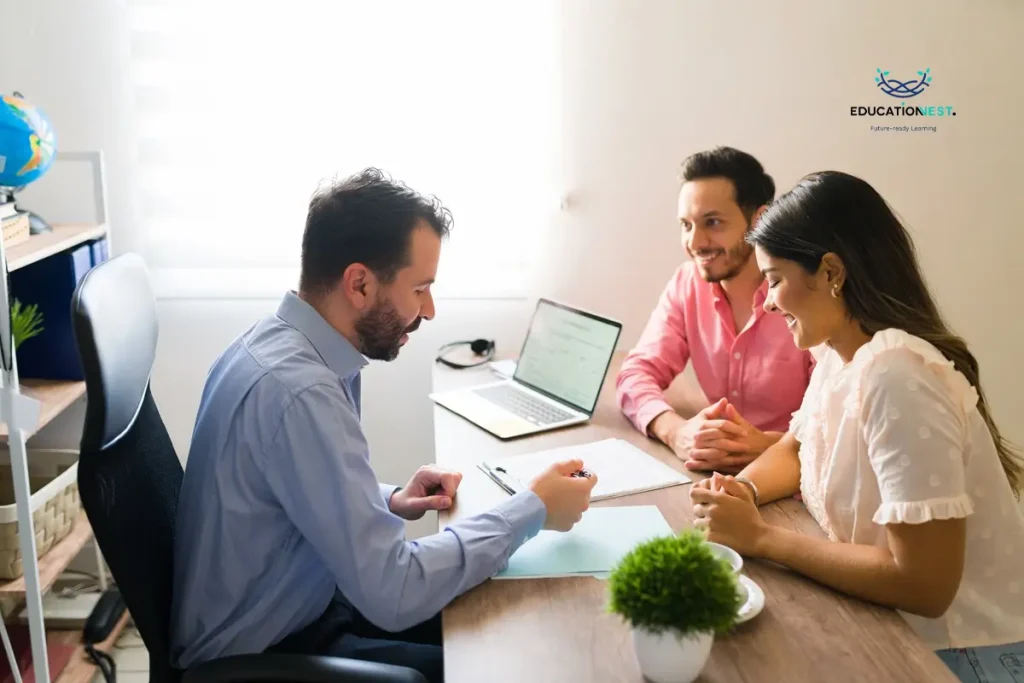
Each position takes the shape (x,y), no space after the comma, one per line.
(480,347)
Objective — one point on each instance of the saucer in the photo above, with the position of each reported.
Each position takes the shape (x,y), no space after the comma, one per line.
(754,602)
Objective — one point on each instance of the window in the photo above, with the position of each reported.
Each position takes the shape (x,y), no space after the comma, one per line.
(243,108)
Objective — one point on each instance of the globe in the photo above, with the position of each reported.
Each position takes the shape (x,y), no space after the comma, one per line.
(27,142)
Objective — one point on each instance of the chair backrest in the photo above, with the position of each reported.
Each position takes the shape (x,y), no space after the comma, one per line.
(129,476)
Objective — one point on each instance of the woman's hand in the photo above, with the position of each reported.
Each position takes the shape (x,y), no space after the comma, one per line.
(725,509)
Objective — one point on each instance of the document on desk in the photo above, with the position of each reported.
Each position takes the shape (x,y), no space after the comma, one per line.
(591,548)
(621,468)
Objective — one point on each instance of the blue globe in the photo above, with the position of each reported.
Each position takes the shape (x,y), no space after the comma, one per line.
(27,142)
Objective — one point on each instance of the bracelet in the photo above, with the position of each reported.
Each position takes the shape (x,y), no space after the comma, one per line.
(744,480)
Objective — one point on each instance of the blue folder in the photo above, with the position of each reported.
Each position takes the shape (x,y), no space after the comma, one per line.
(592,548)
(50,284)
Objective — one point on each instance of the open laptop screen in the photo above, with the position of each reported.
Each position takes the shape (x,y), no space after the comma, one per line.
(566,354)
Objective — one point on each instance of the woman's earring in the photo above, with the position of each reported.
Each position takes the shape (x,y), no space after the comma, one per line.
(835,291)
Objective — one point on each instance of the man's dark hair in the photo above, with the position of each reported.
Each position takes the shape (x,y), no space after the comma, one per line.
(365,218)
(753,187)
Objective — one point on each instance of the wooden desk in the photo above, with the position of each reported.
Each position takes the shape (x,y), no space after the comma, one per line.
(558,630)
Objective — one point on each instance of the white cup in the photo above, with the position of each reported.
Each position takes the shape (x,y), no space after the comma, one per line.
(726,553)
(735,560)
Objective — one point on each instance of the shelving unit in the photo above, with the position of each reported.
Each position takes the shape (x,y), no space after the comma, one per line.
(62,238)
(52,398)
(55,561)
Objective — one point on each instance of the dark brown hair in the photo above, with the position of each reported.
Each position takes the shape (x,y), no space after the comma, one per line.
(753,187)
(884,288)
(365,218)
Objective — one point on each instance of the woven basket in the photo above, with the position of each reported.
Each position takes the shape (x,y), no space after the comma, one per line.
(55,507)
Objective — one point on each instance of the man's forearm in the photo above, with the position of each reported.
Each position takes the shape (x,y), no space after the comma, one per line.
(665,425)
(422,576)
(640,387)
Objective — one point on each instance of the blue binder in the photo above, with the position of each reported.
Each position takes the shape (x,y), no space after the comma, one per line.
(50,284)
(99,251)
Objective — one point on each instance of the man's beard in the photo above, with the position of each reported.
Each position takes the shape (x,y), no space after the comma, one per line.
(735,259)
(380,332)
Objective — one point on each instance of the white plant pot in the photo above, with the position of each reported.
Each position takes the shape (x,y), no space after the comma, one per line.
(668,658)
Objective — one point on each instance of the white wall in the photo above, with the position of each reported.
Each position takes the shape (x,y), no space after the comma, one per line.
(69,57)
(645,84)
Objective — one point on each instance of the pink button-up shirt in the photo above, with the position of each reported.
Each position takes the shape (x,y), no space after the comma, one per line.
(760,369)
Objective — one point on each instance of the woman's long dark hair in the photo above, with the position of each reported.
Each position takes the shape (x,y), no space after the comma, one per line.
(884,288)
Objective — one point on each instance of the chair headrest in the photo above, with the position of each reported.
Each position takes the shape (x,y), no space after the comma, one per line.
(113,313)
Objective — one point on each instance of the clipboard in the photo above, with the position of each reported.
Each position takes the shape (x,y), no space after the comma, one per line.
(621,468)
(502,478)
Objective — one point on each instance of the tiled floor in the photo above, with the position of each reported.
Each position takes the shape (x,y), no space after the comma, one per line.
(131,658)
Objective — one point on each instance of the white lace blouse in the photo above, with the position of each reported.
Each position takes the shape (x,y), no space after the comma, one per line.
(895,436)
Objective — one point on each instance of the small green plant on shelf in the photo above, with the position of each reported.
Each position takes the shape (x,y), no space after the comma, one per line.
(26,322)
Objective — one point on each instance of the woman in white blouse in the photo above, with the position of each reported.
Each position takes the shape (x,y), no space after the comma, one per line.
(893,450)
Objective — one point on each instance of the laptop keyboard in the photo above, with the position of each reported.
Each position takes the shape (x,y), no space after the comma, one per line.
(523,404)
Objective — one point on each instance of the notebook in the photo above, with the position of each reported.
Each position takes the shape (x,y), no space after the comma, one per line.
(591,548)
(621,468)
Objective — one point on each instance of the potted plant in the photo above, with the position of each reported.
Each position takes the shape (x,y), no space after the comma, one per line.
(26,322)
(676,594)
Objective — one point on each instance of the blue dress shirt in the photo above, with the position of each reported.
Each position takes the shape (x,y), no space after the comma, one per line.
(279,505)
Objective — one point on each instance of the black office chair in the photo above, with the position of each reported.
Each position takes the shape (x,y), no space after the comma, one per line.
(129,478)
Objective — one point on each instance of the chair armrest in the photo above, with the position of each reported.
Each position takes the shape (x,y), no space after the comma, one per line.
(287,668)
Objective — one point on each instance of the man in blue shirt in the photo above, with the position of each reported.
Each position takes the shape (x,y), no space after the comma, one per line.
(285,539)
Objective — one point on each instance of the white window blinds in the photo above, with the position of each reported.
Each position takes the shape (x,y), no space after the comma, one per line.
(243,108)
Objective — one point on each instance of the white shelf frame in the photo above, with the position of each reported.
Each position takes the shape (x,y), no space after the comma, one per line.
(20,412)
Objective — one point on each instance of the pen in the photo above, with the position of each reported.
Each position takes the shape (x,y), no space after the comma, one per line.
(497,480)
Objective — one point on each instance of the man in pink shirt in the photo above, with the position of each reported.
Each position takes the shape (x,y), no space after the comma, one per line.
(711,314)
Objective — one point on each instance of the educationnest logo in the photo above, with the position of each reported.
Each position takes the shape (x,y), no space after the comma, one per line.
(895,88)
(905,91)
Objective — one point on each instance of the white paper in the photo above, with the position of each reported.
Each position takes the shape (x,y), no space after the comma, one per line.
(503,368)
(621,468)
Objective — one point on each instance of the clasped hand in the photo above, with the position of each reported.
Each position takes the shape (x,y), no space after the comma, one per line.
(718,438)
(431,488)
(725,509)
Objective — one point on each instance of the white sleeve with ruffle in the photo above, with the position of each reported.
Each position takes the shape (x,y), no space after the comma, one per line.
(915,427)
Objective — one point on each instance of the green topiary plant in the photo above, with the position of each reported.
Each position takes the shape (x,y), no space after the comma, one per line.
(26,322)
(675,583)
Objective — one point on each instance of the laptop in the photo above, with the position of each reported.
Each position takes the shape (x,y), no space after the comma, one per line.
(558,378)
